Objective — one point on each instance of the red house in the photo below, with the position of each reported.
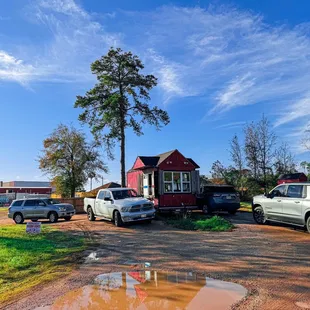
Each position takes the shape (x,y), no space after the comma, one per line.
(292,178)
(171,180)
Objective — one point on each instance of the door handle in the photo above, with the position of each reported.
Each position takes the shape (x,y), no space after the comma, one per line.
(297,201)
(279,200)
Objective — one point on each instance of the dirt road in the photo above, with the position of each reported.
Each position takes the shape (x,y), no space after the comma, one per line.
(272,262)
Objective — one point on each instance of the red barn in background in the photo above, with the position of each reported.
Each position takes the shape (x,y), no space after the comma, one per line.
(292,178)
(170,179)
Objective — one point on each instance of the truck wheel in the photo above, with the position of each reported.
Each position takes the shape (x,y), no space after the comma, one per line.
(90,214)
(259,215)
(118,219)
(308,224)
(53,217)
(18,218)
(67,218)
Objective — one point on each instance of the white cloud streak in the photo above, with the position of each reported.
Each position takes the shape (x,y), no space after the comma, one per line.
(75,40)
(231,58)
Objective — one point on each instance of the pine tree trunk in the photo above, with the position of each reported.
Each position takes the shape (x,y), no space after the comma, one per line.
(123,169)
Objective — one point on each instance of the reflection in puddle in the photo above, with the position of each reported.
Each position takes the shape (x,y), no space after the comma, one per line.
(146,289)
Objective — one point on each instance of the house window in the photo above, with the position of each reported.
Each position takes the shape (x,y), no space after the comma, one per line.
(177,182)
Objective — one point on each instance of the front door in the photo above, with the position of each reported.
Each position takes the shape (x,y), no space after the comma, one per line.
(292,204)
(146,179)
(40,209)
(102,204)
(273,205)
(29,208)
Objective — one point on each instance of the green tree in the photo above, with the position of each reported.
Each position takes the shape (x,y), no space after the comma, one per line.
(221,174)
(119,101)
(69,159)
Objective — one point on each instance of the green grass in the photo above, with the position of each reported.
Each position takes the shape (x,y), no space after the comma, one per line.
(246,206)
(215,223)
(28,260)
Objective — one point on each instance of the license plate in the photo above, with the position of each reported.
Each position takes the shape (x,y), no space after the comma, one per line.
(228,197)
(143,215)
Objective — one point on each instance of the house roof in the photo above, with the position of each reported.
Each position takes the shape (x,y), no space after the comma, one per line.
(163,156)
(149,160)
(104,186)
(292,176)
(155,161)
(193,162)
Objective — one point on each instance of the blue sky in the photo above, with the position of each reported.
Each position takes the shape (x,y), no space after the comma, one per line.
(220,64)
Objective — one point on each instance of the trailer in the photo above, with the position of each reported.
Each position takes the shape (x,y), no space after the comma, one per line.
(170,180)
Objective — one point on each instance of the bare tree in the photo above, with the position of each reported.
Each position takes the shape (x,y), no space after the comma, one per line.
(238,160)
(251,148)
(266,142)
(306,140)
(284,160)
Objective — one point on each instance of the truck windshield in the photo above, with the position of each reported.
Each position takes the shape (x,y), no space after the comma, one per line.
(123,194)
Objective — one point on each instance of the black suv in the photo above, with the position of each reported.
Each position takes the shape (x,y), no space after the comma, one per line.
(215,197)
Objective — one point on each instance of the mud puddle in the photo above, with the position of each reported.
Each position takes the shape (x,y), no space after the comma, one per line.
(152,290)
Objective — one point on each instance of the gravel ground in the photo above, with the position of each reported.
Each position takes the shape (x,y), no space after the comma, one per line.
(271,261)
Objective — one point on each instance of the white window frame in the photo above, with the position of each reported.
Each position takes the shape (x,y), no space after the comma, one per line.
(182,182)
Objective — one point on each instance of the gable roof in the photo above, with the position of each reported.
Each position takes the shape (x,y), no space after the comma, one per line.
(192,162)
(108,185)
(149,160)
(292,176)
(155,161)
(163,156)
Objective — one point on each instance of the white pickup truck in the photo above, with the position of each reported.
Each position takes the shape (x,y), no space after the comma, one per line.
(120,205)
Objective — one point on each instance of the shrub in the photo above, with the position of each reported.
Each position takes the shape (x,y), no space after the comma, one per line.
(215,223)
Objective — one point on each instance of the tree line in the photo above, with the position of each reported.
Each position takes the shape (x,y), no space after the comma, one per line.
(257,162)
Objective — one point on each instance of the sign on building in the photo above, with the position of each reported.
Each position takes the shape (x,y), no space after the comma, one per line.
(33,228)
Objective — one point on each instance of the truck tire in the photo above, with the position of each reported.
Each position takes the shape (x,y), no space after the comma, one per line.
(18,218)
(90,214)
(308,224)
(259,215)
(118,219)
(53,217)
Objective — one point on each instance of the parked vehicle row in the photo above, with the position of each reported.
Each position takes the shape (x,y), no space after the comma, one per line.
(286,203)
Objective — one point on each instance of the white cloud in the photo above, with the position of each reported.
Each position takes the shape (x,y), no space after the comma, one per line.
(75,39)
(231,58)
(231,125)
(14,69)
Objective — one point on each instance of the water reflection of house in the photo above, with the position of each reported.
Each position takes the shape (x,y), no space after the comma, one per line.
(151,287)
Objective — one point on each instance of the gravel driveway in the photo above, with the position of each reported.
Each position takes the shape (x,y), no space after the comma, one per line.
(272,262)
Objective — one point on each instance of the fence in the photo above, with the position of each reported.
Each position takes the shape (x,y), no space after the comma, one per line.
(78,203)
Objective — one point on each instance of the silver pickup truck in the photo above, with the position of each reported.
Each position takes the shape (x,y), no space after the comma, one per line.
(120,205)
(286,203)
(35,209)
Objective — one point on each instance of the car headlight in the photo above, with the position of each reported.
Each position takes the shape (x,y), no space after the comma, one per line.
(62,209)
(125,209)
